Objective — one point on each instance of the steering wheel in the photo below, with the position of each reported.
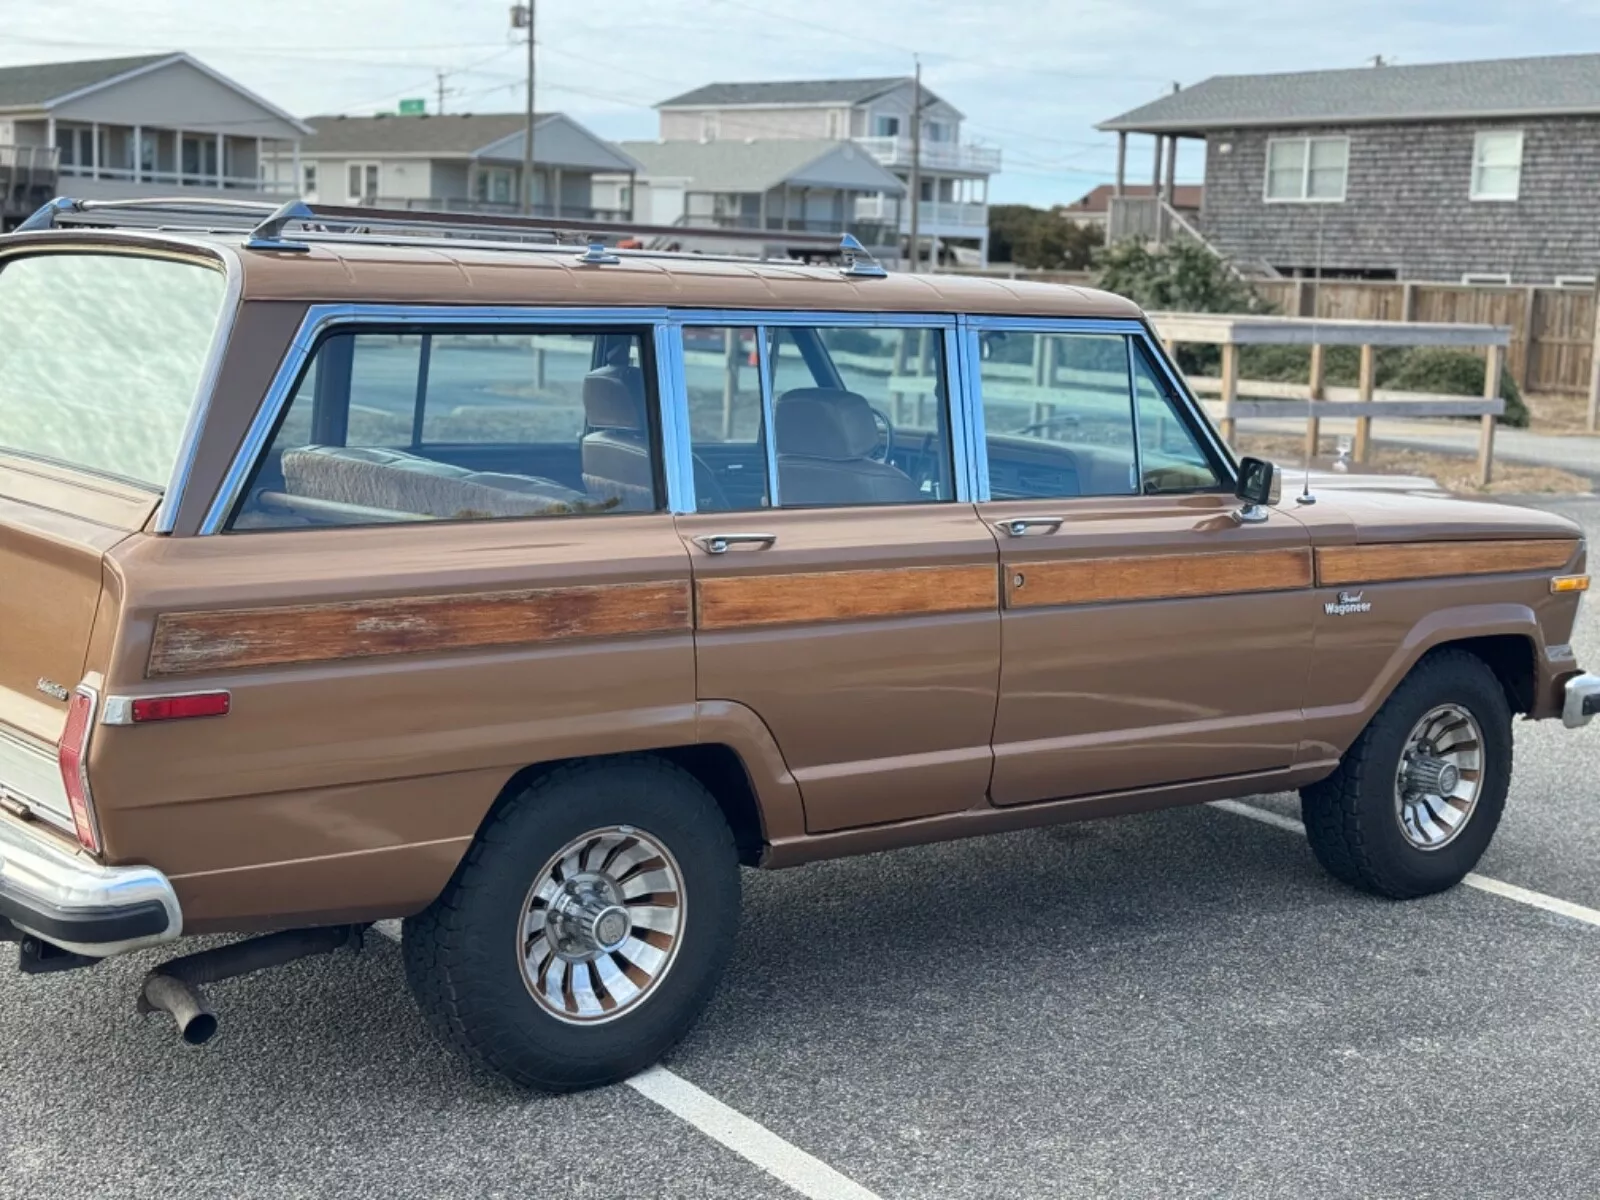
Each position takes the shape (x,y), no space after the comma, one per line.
(887,435)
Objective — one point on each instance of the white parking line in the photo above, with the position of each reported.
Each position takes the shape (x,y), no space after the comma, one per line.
(755,1143)
(1510,891)
(750,1140)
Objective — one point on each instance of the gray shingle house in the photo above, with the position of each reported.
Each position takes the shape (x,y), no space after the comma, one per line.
(1474,171)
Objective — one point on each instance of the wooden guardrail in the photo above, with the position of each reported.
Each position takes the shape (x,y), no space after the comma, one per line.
(1314,400)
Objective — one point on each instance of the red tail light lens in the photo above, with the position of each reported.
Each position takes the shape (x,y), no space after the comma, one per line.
(180,708)
(73,756)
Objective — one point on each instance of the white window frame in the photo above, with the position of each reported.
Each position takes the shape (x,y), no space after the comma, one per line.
(1475,190)
(880,120)
(364,166)
(710,127)
(308,180)
(1487,278)
(1305,172)
(1585,282)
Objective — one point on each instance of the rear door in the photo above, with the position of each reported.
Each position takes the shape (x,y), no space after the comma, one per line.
(1150,637)
(845,590)
(101,359)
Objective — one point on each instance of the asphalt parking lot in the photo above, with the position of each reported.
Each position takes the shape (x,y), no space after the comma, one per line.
(1179,1004)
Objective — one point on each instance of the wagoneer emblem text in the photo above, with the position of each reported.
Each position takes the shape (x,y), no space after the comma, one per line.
(53,689)
(1347,603)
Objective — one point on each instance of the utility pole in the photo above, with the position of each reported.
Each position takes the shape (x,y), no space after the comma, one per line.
(523,16)
(916,166)
(442,75)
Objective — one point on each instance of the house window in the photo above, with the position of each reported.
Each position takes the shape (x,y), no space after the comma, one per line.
(1307,169)
(937,131)
(497,185)
(709,127)
(361,182)
(308,180)
(835,124)
(886,127)
(1497,164)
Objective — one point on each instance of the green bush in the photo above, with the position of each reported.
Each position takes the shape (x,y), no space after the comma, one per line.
(1419,369)
(1458,373)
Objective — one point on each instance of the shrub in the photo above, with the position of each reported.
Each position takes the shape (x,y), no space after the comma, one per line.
(1458,373)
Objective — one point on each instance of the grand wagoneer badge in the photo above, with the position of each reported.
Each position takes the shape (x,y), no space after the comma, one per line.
(1347,603)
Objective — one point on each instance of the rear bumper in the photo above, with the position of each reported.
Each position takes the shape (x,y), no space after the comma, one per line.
(69,899)
(1582,702)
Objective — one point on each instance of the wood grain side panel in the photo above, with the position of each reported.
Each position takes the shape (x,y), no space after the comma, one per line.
(1438,560)
(1156,577)
(186,642)
(749,600)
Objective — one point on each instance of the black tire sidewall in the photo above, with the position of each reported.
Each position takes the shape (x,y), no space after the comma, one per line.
(1454,679)
(495,1010)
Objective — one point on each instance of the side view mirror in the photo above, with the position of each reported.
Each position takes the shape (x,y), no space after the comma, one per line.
(1260,487)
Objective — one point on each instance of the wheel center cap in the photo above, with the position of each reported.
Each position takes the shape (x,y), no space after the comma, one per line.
(1433,776)
(610,927)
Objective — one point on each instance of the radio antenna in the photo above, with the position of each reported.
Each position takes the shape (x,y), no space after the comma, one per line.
(1305,496)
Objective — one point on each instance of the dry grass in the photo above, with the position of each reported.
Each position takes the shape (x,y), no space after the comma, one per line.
(1455,472)
(1550,413)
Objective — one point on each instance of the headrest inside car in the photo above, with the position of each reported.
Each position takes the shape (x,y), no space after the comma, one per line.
(825,423)
(613,398)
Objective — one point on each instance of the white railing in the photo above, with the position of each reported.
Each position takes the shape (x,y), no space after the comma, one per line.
(182,179)
(939,156)
(932,216)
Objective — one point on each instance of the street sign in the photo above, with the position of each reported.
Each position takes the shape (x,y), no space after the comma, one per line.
(413,108)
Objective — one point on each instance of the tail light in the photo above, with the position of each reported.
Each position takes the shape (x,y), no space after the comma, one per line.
(73,756)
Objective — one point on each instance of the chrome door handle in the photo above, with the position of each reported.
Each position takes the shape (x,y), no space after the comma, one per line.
(720,543)
(1029,526)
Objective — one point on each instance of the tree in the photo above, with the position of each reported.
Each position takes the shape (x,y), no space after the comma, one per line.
(1040,238)
(1182,276)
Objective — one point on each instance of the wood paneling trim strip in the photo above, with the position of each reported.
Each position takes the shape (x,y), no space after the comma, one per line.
(1438,560)
(1156,577)
(233,639)
(738,601)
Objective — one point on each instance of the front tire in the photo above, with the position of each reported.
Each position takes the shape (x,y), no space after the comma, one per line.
(586,928)
(1415,801)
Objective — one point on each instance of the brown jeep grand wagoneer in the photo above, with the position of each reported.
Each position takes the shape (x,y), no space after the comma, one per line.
(351,569)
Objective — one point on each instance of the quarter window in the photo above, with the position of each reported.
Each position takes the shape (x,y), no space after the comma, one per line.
(452,425)
(1171,458)
(1307,169)
(858,416)
(1057,414)
(1497,165)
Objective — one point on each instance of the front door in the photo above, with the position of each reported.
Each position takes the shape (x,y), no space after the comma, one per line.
(842,590)
(1149,636)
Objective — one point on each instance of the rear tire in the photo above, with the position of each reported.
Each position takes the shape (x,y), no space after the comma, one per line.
(586,928)
(1384,821)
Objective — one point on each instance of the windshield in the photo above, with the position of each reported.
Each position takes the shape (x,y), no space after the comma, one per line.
(100,356)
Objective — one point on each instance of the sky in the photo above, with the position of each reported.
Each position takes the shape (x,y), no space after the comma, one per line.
(1032,76)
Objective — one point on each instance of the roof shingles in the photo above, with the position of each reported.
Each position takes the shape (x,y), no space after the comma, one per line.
(788,91)
(37,84)
(1507,87)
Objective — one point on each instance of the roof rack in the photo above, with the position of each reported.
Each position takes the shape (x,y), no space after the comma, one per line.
(267,227)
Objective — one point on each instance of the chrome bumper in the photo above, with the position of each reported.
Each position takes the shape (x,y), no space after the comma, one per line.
(72,901)
(1583,700)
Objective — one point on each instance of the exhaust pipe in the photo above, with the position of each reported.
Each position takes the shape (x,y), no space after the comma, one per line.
(174,987)
(184,1002)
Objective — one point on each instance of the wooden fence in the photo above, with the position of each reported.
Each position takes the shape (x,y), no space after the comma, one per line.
(1552,329)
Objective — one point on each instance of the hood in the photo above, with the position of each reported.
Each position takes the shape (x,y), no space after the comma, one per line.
(1360,517)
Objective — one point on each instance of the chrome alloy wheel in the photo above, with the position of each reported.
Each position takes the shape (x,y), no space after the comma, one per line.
(601,925)
(1439,778)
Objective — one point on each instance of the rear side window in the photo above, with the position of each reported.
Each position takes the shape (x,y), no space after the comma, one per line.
(387,427)
(101,356)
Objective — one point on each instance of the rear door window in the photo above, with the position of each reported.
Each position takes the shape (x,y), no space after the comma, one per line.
(450,425)
(101,356)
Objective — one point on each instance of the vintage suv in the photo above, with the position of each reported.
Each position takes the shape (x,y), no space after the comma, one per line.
(355,567)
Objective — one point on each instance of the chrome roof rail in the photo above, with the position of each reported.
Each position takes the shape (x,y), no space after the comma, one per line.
(858,264)
(597,255)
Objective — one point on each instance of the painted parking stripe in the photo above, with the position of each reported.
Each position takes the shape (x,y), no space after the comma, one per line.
(750,1140)
(755,1143)
(1510,891)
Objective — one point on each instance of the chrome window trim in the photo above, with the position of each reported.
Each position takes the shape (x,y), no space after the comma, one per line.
(959,417)
(200,406)
(746,317)
(970,361)
(769,414)
(321,317)
(1128,353)
(672,390)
